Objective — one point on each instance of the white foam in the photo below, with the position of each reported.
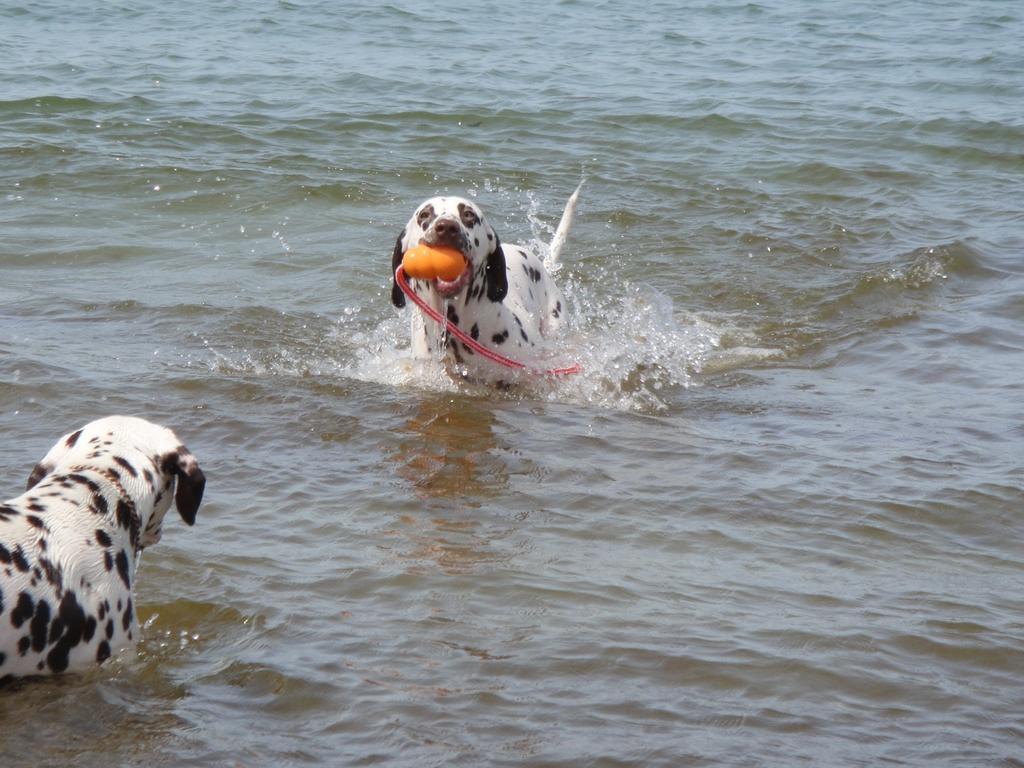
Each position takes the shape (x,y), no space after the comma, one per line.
(634,350)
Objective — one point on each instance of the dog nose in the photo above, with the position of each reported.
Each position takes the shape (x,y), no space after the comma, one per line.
(446,227)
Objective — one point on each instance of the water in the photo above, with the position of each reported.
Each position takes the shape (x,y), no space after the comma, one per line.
(775,521)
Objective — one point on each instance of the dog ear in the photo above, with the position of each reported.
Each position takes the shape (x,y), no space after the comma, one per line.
(191,483)
(40,471)
(495,273)
(397,297)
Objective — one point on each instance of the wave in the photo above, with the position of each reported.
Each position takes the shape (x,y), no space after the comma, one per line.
(922,269)
(51,105)
(883,296)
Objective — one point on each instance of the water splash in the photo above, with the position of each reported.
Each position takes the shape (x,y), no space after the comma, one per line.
(635,349)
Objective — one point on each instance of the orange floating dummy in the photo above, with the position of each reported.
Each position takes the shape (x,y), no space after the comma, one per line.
(428,262)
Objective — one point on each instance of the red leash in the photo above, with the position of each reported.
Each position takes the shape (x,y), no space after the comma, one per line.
(472,343)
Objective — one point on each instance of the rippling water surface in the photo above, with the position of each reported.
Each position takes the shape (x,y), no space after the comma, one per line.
(775,521)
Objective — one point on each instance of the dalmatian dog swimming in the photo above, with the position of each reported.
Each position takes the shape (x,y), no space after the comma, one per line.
(505,298)
(70,544)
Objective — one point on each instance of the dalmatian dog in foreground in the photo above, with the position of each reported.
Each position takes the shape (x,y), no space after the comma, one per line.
(70,544)
(505,298)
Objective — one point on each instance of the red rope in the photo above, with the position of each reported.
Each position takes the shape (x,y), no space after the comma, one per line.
(472,343)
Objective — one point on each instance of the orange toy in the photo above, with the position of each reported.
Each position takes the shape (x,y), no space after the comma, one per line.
(427,262)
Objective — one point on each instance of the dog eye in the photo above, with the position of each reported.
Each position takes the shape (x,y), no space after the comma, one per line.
(469,218)
(424,217)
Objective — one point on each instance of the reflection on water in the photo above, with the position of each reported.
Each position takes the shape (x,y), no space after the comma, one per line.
(447,450)
(450,456)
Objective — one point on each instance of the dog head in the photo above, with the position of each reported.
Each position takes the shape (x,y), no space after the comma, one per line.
(457,223)
(145,461)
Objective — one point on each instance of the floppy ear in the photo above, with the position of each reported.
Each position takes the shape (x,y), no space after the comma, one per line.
(495,275)
(397,297)
(40,471)
(191,483)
